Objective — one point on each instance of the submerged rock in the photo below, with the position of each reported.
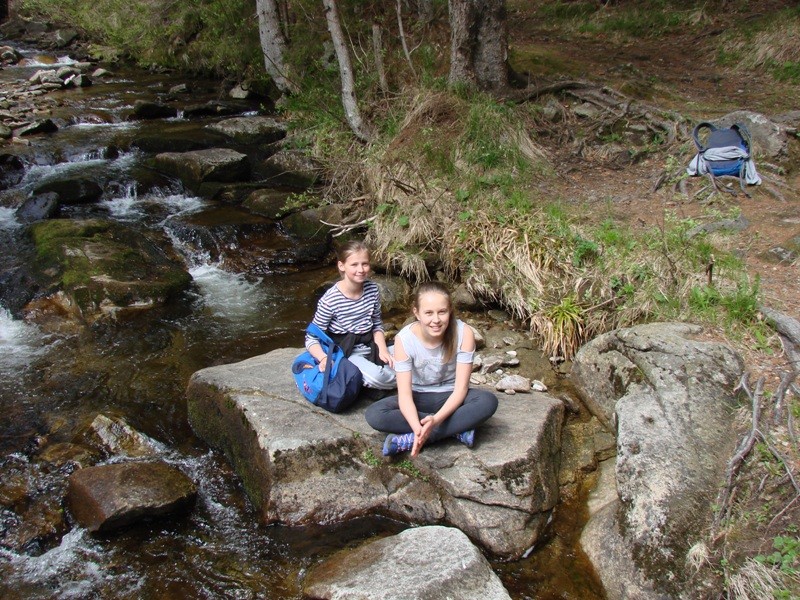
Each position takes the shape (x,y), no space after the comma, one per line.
(109,497)
(114,436)
(302,465)
(72,190)
(38,207)
(424,562)
(144,109)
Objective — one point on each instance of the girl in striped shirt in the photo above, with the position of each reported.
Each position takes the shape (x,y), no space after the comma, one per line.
(350,313)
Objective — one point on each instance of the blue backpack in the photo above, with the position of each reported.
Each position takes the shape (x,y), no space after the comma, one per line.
(737,136)
(724,151)
(338,386)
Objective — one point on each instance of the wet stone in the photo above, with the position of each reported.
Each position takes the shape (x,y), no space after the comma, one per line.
(109,497)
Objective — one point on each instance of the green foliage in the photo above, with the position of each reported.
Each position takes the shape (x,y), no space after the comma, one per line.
(767,42)
(650,18)
(369,458)
(585,251)
(408,467)
(216,36)
(488,128)
(786,556)
(786,71)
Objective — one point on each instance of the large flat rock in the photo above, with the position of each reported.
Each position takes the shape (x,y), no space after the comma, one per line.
(301,465)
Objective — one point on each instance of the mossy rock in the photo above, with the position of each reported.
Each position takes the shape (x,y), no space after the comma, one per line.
(103,266)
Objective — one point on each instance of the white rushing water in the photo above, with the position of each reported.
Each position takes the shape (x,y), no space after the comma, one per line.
(19,342)
(8,219)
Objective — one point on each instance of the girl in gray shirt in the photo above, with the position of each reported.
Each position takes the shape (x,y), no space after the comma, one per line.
(433,362)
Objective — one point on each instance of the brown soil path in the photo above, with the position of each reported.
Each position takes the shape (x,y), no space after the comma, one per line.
(678,72)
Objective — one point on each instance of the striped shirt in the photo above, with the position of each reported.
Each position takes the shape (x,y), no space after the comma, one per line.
(336,313)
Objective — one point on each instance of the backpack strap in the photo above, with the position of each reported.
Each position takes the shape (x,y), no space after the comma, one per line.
(744,133)
(323,394)
(314,331)
(696,134)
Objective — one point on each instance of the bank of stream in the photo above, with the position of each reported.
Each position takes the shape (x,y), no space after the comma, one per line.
(55,379)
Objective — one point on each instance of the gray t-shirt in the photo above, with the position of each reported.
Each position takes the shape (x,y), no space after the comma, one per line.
(429,373)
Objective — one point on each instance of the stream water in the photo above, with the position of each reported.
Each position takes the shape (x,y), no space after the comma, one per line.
(54,381)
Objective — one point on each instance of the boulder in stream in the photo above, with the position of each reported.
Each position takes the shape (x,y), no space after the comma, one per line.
(109,497)
(292,168)
(198,166)
(40,126)
(251,130)
(72,190)
(144,109)
(302,465)
(12,170)
(38,207)
(670,395)
(423,562)
(102,267)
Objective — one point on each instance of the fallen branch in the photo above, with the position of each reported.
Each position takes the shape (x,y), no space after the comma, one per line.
(338,229)
(790,421)
(531,93)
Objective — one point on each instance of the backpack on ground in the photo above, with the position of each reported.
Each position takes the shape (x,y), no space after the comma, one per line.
(724,151)
(338,386)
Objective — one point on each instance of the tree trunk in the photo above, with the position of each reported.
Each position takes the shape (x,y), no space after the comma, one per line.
(353,115)
(478,44)
(425,11)
(377,48)
(273,45)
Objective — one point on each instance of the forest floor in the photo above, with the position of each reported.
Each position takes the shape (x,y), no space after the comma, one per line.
(679,72)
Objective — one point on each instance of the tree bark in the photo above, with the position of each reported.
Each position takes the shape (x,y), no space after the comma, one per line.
(273,45)
(399,10)
(377,48)
(425,11)
(479,44)
(357,124)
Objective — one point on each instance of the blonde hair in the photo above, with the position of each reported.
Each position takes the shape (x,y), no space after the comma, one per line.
(345,250)
(450,338)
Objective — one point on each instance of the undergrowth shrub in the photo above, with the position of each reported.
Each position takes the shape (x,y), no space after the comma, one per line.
(218,37)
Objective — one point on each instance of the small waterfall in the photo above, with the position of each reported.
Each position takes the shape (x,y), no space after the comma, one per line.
(8,219)
(19,342)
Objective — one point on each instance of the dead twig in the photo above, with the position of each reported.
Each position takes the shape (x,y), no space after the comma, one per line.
(790,420)
(785,508)
(338,229)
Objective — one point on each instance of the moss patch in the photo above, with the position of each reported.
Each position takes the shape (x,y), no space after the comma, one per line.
(98,263)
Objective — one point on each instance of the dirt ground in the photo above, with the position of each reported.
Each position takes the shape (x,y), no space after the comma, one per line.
(679,73)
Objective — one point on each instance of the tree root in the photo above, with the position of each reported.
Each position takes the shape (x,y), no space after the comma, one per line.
(726,495)
(744,448)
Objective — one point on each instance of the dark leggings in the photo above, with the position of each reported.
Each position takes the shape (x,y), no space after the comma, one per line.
(478,406)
